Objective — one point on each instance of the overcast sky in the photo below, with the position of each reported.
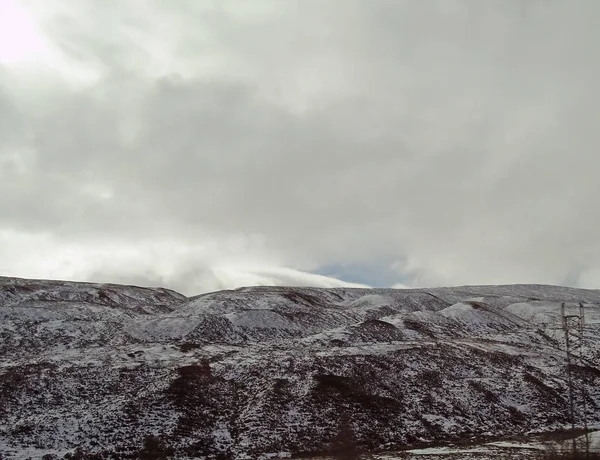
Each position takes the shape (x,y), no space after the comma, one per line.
(206,144)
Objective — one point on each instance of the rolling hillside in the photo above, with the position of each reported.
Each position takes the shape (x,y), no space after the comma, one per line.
(280,371)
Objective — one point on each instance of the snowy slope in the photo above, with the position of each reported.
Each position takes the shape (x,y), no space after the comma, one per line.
(272,369)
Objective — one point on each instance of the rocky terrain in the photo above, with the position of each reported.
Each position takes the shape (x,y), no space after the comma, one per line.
(118,371)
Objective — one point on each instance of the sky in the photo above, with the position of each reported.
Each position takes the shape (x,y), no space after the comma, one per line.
(211,144)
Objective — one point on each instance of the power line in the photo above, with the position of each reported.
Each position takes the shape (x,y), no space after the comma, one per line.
(574,330)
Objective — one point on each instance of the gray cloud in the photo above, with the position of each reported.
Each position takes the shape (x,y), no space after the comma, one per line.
(457,138)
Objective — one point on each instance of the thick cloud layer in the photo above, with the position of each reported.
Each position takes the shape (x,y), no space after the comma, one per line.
(196,143)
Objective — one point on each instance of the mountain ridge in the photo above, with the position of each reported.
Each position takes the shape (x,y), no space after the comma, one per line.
(267,370)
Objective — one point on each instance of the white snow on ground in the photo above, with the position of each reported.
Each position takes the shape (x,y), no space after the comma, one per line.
(169,327)
(490,451)
(261,319)
(258,371)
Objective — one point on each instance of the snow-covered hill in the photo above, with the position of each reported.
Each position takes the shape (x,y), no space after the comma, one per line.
(264,370)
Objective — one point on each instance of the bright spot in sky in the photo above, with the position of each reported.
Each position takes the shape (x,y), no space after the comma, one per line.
(19,39)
